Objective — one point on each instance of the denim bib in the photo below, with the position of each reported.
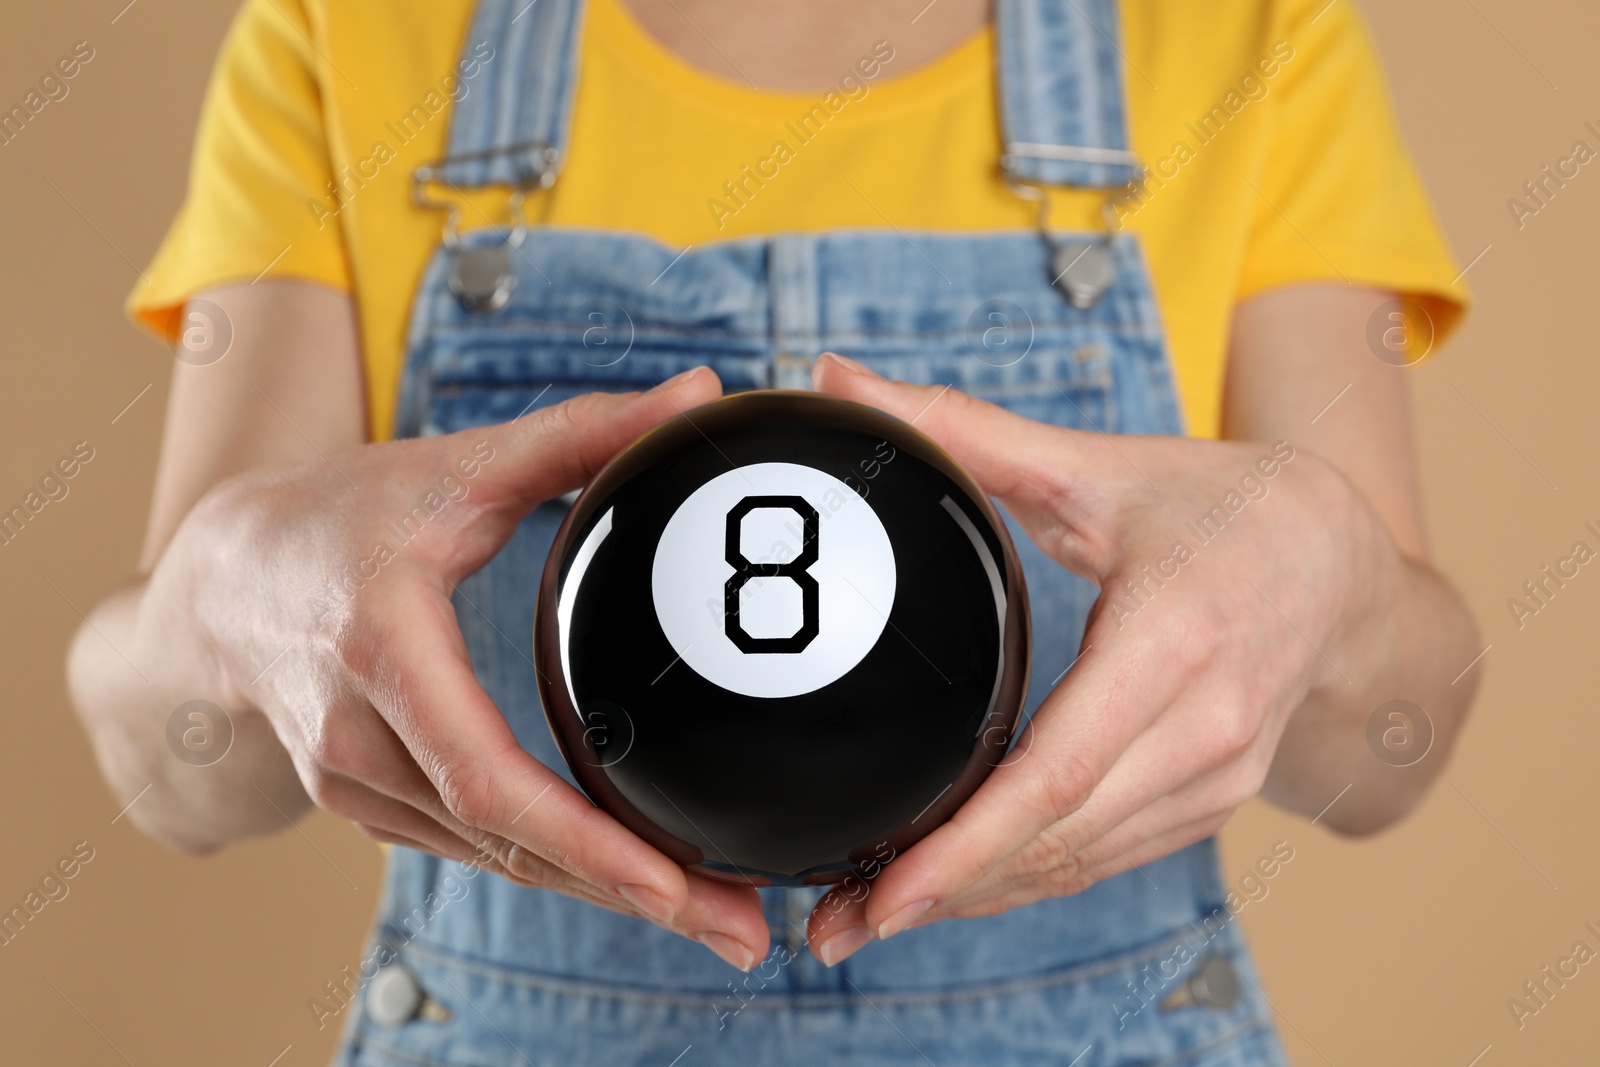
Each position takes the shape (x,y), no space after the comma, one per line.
(1144,968)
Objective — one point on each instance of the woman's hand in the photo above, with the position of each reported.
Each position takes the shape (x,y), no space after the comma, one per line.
(1242,586)
(345,642)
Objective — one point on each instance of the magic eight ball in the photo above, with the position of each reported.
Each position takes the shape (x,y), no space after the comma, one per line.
(782,637)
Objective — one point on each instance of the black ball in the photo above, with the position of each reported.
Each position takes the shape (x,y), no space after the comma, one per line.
(782,637)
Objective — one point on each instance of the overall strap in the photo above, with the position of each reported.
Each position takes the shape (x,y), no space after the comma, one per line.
(512,127)
(1063,116)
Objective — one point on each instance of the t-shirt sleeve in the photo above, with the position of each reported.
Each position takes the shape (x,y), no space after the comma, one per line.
(1337,197)
(261,160)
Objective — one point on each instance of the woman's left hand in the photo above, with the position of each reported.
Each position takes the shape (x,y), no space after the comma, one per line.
(1238,581)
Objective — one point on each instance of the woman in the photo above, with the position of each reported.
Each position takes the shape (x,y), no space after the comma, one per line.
(420,238)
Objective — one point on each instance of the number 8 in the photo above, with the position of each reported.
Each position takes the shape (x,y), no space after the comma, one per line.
(796,570)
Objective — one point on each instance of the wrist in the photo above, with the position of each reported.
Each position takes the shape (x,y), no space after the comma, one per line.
(1370,595)
(189,619)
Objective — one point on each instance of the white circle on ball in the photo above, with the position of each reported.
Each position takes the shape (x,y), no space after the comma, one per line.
(854,573)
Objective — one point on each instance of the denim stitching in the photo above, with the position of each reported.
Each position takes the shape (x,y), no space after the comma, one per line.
(1249,1028)
(813,1001)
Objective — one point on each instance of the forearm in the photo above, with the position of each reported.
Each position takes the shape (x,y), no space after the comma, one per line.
(136,659)
(1410,641)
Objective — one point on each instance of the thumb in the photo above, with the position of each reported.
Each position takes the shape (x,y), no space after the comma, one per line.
(1043,475)
(556,449)
(561,447)
(1021,463)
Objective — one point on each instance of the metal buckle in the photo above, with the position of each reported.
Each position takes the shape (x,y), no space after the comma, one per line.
(481,277)
(434,172)
(1067,153)
(1082,270)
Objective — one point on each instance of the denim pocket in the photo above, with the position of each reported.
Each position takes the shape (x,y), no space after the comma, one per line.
(616,312)
(499,382)
(1064,384)
(1080,1015)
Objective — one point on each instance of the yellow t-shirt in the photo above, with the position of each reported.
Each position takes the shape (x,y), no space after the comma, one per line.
(1274,160)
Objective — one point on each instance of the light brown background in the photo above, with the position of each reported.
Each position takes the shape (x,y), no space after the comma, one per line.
(1402,950)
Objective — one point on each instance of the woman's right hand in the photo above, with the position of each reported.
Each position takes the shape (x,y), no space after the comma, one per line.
(352,654)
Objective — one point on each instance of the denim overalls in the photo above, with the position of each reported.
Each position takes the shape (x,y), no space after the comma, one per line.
(1146,968)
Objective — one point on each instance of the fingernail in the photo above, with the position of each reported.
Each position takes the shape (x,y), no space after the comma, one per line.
(648,901)
(728,950)
(843,944)
(678,379)
(845,362)
(903,918)
(522,863)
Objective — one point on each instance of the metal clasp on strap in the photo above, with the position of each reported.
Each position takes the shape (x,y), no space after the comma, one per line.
(1082,270)
(1067,153)
(481,277)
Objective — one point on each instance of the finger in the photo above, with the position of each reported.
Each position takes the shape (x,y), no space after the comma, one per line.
(422,822)
(359,745)
(1209,799)
(534,873)
(1096,837)
(1066,858)
(398,824)
(837,926)
(464,746)
(1079,733)
(1059,483)
(726,918)
(1200,756)
(1136,844)
(367,808)
(1138,851)
(458,853)
(713,905)
(1205,756)
(1117,860)
(418,675)
(706,917)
